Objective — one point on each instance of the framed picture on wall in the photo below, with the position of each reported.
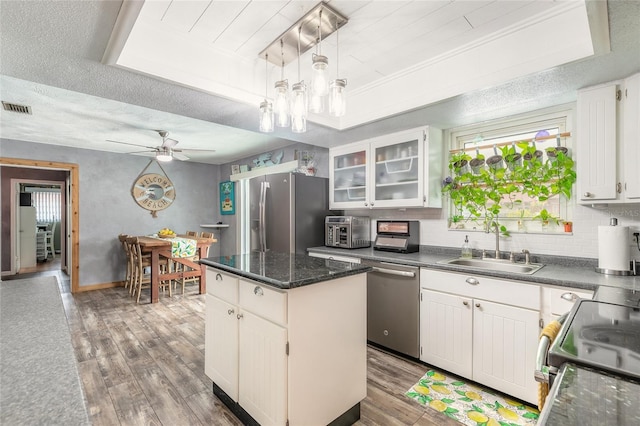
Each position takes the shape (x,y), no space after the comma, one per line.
(227,198)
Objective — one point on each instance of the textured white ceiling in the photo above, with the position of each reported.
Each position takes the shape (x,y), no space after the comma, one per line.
(52,51)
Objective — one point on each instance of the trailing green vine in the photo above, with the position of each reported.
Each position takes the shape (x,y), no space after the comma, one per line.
(479,193)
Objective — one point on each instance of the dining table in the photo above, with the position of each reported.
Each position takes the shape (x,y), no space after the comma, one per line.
(162,247)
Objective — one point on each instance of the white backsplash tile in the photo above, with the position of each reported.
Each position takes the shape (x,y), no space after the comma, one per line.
(583,242)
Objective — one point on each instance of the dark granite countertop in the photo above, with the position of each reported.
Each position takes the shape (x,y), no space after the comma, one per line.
(558,271)
(582,396)
(284,270)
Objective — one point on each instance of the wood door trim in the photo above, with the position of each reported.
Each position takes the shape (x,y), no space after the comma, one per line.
(74,178)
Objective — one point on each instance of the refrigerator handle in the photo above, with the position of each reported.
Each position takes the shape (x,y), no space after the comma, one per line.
(263,215)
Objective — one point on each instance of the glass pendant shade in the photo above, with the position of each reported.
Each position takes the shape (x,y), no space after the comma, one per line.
(266,116)
(281,103)
(316,103)
(320,76)
(338,98)
(165,155)
(299,108)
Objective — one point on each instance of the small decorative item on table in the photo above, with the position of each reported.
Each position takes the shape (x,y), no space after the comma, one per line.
(235,169)
(166,233)
(568,226)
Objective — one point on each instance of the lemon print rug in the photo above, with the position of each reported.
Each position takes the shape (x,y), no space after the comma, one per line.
(469,403)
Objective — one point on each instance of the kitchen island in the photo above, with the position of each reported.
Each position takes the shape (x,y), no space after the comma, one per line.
(286,337)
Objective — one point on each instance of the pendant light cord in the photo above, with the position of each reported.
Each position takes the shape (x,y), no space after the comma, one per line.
(282,67)
(266,74)
(299,34)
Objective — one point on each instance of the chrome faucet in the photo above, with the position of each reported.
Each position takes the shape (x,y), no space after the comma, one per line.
(527,258)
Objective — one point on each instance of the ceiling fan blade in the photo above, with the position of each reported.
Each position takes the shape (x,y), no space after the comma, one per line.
(169,143)
(196,150)
(179,156)
(144,153)
(131,144)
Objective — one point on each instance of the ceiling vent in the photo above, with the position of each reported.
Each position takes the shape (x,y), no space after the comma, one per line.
(22,109)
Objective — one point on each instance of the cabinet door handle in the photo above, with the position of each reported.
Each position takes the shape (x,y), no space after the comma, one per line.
(366,204)
(258,291)
(472,281)
(230,311)
(619,187)
(587,195)
(239,316)
(465,303)
(218,277)
(569,297)
(477,305)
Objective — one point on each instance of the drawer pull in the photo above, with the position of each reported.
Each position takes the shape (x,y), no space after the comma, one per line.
(258,291)
(465,303)
(569,297)
(477,305)
(472,281)
(218,277)
(230,311)
(239,316)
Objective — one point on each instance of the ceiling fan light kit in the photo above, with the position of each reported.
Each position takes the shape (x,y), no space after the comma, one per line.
(320,22)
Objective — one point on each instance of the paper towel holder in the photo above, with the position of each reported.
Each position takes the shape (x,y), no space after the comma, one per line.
(631,271)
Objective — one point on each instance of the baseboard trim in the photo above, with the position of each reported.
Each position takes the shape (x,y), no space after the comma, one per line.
(102,286)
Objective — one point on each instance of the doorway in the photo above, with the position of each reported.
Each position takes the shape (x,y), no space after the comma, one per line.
(71,235)
(42,203)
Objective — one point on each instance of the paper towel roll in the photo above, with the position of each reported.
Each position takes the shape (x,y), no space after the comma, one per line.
(613,248)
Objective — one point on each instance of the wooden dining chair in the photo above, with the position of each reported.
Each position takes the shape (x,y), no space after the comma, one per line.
(206,234)
(128,276)
(191,233)
(142,277)
(180,267)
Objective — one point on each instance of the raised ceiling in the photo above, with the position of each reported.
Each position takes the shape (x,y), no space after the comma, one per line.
(396,55)
(99,70)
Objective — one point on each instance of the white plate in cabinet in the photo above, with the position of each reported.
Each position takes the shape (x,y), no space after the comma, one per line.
(222,285)
(264,301)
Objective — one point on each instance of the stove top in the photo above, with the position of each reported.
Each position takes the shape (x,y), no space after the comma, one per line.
(602,335)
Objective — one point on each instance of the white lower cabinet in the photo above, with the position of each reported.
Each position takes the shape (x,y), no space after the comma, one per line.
(263,369)
(294,356)
(481,328)
(557,301)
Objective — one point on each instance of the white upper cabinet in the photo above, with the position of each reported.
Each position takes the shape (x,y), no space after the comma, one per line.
(607,143)
(397,170)
(631,138)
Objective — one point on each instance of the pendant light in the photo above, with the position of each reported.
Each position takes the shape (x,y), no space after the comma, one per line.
(281,102)
(299,100)
(319,74)
(338,87)
(266,108)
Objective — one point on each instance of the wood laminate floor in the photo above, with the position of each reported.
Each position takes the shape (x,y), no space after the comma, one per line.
(144,364)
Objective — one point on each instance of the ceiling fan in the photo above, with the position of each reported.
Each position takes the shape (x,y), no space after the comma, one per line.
(166,151)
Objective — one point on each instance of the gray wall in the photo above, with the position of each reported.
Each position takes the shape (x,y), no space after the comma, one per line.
(107,208)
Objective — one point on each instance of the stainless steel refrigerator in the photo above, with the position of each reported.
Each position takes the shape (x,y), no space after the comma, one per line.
(286,212)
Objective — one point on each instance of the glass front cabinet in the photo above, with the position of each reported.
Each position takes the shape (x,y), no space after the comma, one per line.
(397,170)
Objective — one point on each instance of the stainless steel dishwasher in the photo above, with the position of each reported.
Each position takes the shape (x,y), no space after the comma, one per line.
(393,307)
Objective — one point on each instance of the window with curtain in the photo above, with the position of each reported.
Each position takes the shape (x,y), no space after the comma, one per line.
(47,204)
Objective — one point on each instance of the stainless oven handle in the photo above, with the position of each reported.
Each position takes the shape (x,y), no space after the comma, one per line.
(541,372)
(394,272)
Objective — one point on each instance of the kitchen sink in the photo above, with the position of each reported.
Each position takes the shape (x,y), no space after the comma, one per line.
(498,265)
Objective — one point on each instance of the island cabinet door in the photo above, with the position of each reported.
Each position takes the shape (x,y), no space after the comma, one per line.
(221,345)
(263,369)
